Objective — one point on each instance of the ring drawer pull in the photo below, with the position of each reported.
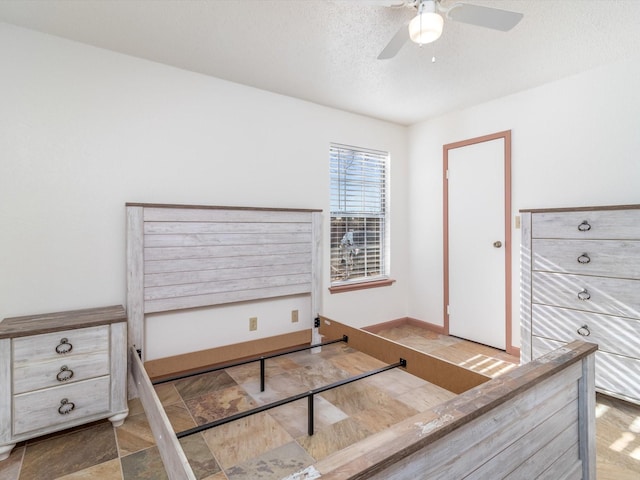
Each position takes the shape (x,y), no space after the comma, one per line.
(64,346)
(584,226)
(584,331)
(584,258)
(66,407)
(64,374)
(584,294)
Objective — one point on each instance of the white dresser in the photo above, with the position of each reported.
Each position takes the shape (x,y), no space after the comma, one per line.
(61,370)
(580,279)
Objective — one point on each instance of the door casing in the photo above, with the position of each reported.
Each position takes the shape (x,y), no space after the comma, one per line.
(506,136)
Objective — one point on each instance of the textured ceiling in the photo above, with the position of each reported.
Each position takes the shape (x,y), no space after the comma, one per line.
(324,51)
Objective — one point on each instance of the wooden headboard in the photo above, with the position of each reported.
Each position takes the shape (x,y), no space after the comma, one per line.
(190,256)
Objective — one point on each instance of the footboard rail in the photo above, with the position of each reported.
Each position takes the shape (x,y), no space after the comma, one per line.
(173,457)
(537,420)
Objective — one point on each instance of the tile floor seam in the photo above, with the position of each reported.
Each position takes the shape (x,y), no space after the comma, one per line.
(213,454)
(115,433)
(120,465)
(188,411)
(24,452)
(302,447)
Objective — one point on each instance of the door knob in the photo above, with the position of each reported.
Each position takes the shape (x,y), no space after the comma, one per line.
(497,244)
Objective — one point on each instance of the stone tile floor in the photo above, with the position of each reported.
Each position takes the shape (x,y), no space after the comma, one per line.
(273,444)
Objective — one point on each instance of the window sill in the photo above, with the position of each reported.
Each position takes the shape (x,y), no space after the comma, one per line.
(361,285)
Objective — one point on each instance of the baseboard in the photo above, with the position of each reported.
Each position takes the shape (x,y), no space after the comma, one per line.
(378,327)
(404,321)
(426,325)
(515,351)
(188,362)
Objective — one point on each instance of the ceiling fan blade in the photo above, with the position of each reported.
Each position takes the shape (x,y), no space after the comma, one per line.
(396,43)
(495,18)
(385,3)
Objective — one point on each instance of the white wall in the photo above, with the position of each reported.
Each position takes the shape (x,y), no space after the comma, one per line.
(84,130)
(575,142)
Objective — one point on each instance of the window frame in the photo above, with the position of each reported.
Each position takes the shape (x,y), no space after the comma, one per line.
(364,198)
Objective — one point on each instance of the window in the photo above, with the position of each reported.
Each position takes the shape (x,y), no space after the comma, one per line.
(358,215)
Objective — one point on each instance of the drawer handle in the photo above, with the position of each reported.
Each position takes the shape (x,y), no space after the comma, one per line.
(584,295)
(66,407)
(584,331)
(584,258)
(584,226)
(64,346)
(64,374)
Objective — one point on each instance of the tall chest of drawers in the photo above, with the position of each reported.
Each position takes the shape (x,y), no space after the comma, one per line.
(61,370)
(580,279)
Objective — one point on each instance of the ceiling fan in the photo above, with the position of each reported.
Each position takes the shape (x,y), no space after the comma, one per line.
(427,25)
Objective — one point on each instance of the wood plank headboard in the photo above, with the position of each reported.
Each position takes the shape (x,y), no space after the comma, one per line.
(190,256)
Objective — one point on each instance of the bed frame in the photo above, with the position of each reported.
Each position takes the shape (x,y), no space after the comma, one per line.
(537,418)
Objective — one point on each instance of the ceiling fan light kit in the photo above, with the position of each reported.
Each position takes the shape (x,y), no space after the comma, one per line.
(426,27)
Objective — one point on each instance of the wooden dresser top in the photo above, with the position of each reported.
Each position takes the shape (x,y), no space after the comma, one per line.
(581,209)
(53,322)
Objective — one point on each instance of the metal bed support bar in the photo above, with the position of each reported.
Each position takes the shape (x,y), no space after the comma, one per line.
(308,395)
(260,359)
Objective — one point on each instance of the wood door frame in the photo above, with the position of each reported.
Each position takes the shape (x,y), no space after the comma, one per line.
(506,136)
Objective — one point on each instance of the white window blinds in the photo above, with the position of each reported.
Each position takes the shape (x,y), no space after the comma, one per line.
(358,213)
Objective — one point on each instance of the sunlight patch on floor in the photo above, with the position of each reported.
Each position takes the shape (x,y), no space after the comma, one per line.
(621,443)
(475,362)
(601,410)
(487,365)
(507,366)
(635,425)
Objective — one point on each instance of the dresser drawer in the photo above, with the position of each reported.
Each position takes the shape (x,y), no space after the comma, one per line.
(612,296)
(615,374)
(600,224)
(59,371)
(618,375)
(608,258)
(40,409)
(43,347)
(612,334)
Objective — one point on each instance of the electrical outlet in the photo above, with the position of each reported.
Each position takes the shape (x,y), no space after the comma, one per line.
(294,316)
(517,221)
(253,323)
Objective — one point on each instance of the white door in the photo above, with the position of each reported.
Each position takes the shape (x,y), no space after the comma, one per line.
(476,242)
